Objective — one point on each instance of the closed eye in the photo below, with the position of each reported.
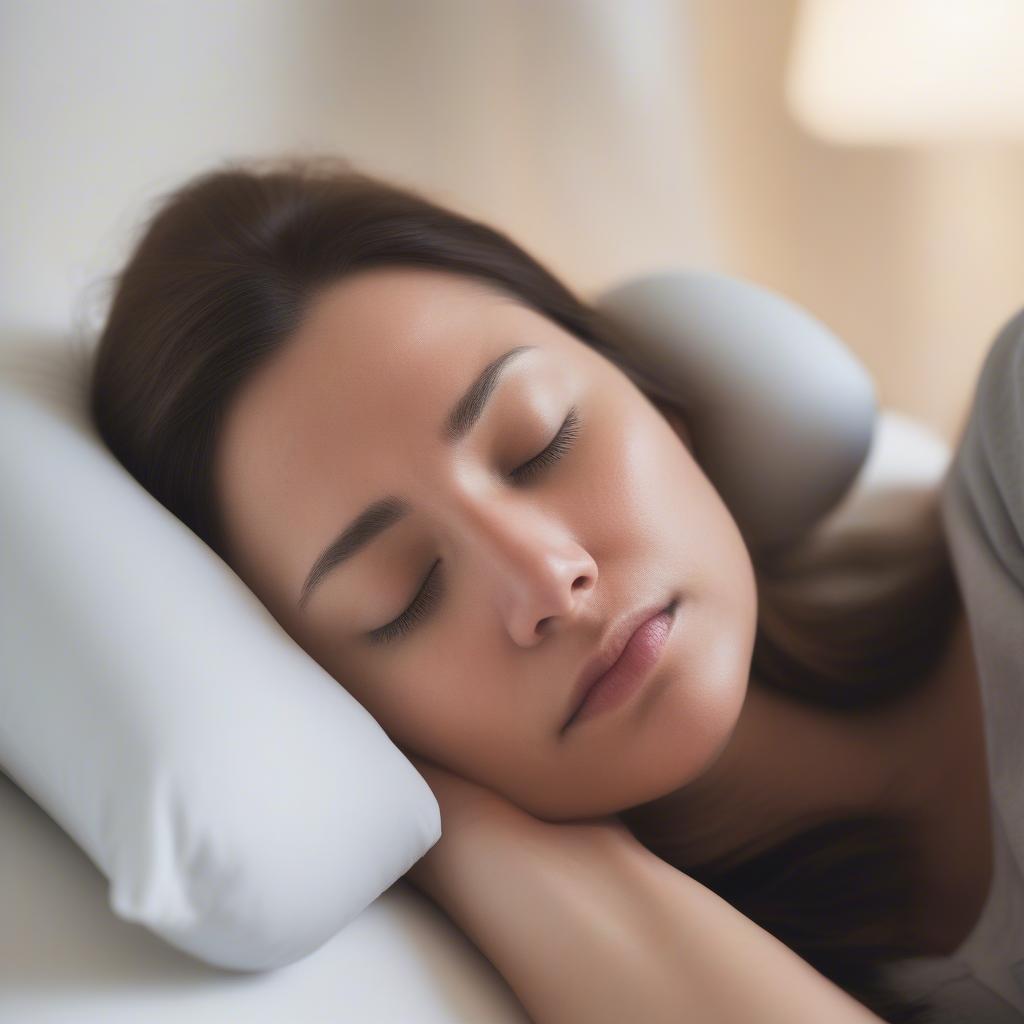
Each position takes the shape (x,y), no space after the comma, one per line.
(430,590)
(560,444)
(421,605)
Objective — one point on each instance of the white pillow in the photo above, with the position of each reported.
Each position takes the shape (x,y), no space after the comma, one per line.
(241,803)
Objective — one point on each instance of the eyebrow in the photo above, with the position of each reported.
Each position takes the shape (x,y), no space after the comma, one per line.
(384,513)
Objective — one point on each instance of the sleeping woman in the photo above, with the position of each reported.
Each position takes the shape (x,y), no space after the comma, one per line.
(421,452)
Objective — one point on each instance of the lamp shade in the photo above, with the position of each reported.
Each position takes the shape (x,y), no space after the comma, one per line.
(875,72)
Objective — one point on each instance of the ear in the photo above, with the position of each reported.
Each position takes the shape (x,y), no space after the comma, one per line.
(675,421)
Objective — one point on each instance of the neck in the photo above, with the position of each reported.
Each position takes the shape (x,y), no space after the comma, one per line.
(789,765)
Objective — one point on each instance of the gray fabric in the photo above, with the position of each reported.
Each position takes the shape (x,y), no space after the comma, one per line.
(982,502)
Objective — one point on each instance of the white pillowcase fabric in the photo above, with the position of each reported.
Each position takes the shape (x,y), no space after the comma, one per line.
(242,804)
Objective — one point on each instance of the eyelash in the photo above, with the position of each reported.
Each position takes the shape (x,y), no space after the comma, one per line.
(428,593)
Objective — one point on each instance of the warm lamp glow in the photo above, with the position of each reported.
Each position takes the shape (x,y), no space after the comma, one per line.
(899,71)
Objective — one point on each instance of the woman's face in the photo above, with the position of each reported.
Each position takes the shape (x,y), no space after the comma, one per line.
(530,569)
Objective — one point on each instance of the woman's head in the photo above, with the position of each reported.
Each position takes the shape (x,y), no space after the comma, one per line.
(530,564)
(287,349)
(284,348)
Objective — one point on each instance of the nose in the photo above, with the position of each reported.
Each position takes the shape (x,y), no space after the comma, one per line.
(540,577)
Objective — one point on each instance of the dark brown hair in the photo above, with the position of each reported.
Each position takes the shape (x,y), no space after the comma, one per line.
(219,280)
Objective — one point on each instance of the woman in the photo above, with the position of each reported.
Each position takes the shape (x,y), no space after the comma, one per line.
(418,448)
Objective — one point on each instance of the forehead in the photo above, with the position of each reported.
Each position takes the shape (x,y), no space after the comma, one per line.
(329,414)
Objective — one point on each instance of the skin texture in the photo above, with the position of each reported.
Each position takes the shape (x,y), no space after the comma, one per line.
(533,573)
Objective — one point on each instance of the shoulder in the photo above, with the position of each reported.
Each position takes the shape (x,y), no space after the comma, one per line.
(995,427)
(987,469)
(999,395)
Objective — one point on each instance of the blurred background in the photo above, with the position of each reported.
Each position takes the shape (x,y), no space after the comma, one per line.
(864,158)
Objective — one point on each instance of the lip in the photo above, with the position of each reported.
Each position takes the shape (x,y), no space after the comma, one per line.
(611,649)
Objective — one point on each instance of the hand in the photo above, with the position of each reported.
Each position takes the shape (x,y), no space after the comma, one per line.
(468,808)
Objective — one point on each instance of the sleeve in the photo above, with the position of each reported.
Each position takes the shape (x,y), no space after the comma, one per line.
(987,469)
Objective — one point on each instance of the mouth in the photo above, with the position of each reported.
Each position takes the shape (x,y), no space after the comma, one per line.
(625,656)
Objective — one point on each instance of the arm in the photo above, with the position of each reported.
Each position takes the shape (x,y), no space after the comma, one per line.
(586,925)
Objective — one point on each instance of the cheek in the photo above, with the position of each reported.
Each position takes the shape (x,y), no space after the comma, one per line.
(648,487)
(424,702)
(642,482)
